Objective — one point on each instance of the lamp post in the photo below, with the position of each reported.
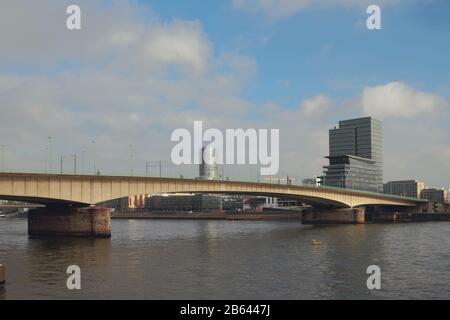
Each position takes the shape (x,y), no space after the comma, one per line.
(153,164)
(46,160)
(69,157)
(82,161)
(93,156)
(131,159)
(75,164)
(3,157)
(50,154)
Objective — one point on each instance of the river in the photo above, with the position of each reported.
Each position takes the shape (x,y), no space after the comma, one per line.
(217,259)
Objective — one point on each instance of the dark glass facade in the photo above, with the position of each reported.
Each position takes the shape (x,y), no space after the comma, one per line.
(182,202)
(355,155)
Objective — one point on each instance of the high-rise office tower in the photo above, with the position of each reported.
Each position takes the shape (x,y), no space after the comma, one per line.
(209,169)
(356,155)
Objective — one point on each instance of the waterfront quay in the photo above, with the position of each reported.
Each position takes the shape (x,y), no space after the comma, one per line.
(248,215)
(406,217)
(369,217)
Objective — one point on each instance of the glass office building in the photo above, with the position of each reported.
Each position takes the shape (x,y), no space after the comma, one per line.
(355,155)
(405,188)
(209,169)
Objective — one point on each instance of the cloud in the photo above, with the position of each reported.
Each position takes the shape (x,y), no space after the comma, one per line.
(280,9)
(122,79)
(179,43)
(415,147)
(399,100)
(118,33)
(125,79)
(316,105)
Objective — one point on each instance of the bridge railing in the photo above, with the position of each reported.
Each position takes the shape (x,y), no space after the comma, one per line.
(174,172)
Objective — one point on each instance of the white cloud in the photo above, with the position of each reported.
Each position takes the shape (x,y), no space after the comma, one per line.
(316,105)
(36,36)
(180,43)
(121,79)
(398,99)
(414,147)
(129,80)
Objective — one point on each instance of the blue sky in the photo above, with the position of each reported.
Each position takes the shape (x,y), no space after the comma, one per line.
(139,69)
(316,49)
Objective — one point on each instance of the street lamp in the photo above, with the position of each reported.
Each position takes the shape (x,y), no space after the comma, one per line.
(73,157)
(82,161)
(153,164)
(46,160)
(3,157)
(50,154)
(93,156)
(146,168)
(131,159)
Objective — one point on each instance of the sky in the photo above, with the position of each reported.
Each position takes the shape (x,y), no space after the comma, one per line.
(137,70)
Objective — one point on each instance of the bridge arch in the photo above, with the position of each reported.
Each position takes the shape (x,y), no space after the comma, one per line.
(89,190)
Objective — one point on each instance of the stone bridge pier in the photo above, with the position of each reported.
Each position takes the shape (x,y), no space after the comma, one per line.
(334,216)
(70,221)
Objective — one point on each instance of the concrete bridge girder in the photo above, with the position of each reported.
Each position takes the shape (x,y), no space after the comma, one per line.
(71,200)
(89,190)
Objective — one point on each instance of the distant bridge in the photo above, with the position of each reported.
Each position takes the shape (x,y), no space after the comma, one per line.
(85,190)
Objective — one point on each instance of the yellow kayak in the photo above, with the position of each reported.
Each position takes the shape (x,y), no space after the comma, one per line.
(317,243)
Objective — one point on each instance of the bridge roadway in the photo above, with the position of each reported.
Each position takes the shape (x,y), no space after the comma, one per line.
(85,190)
(72,200)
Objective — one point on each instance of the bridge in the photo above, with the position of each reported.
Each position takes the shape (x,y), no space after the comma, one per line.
(86,190)
(76,192)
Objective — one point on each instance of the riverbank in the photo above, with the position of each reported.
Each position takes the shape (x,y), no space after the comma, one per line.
(282,215)
(406,217)
(247,215)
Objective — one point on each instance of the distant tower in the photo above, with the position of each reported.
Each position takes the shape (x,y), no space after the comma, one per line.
(356,155)
(209,169)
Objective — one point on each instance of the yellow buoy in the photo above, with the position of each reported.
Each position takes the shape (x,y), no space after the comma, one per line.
(317,243)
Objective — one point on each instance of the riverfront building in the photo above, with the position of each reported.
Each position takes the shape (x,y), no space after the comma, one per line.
(182,202)
(271,203)
(193,202)
(405,188)
(436,195)
(355,155)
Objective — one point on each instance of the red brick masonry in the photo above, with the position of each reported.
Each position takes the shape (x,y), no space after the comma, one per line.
(70,221)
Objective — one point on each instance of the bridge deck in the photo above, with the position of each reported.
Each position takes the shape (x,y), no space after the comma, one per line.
(93,189)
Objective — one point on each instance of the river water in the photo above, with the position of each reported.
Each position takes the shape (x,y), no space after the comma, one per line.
(215,259)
